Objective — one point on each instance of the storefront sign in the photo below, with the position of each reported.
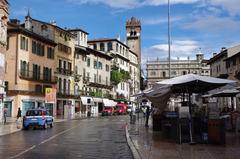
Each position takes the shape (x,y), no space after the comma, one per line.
(50,95)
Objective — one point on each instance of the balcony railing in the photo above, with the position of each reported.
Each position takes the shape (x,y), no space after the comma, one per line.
(33,76)
(64,71)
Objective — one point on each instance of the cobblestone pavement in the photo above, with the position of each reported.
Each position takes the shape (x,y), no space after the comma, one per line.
(93,138)
(153,145)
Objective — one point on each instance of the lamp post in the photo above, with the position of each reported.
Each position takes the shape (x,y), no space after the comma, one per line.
(169,41)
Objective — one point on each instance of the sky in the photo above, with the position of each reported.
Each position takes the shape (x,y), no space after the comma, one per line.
(196,25)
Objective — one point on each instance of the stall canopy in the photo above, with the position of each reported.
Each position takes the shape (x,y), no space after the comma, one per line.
(226,93)
(192,83)
(87,100)
(109,103)
(98,100)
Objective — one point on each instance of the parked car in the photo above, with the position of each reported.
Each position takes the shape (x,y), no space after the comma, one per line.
(107,111)
(37,118)
(120,109)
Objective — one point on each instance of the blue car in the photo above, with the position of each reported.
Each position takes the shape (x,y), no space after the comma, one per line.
(37,118)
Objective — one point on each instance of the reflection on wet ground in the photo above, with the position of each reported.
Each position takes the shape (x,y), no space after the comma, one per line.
(153,145)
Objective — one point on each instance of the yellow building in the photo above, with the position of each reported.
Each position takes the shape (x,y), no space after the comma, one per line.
(64,62)
(30,66)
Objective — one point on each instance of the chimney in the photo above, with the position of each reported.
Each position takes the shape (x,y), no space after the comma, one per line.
(214,54)
(223,48)
(15,21)
(53,22)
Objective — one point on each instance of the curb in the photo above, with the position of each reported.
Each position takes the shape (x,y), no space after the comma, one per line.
(133,148)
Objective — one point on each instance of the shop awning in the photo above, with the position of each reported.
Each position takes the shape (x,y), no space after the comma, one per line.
(108,103)
(87,100)
(98,100)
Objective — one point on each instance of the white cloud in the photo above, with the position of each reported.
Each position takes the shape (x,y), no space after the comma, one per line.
(213,24)
(19,12)
(232,6)
(179,48)
(158,20)
(128,4)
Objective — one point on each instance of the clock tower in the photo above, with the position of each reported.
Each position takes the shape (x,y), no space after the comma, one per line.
(133,30)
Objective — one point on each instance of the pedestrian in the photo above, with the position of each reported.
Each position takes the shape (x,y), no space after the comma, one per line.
(5,115)
(147,115)
(19,113)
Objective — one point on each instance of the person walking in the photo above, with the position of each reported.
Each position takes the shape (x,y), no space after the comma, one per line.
(147,116)
(19,115)
(5,115)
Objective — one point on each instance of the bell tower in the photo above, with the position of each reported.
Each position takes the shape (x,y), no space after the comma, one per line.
(133,30)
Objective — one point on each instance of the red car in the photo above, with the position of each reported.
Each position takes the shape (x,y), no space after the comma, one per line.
(121,109)
(107,111)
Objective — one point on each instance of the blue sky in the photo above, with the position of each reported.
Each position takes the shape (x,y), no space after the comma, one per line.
(206,25)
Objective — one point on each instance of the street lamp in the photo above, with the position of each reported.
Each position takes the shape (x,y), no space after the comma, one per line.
(169,41)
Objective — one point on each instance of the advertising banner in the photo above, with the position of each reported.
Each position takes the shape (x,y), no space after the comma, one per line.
(50,95)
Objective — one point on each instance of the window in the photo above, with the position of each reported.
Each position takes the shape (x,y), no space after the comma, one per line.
(107,67)
(64,86)
(234,62)
(24,43)
(38,89)
(47,74)
(88,62)
(69,87)
(95,46)
(50,53)
(24,69)
(102,47)
(100,65)
(60,85)
(95,78)
(95,64)
(153,73)
(37,48)
(120,49)
(109,46)
(36,72)
(117,47)
(84,58)
(64,48)
(100,79)
(164,74)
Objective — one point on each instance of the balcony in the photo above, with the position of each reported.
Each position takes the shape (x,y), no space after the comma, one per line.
(64,93)
(33,76)
(65,72)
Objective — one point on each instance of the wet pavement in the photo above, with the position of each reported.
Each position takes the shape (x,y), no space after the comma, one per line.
(153,145)
(93,138)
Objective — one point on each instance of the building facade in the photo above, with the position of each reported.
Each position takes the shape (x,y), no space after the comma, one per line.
(29,69)
(3,45)
(158,70)
(120,62)
(218,64)
(64,62)
(93,68)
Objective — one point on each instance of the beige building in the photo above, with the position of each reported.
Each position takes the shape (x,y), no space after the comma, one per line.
(134,71)
(218,64)
(64,62)
(158,70)
(3,44)
(93,69)
(30,69)
(120,62)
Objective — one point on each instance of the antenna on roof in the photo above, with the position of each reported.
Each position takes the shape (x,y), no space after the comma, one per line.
(28,12)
